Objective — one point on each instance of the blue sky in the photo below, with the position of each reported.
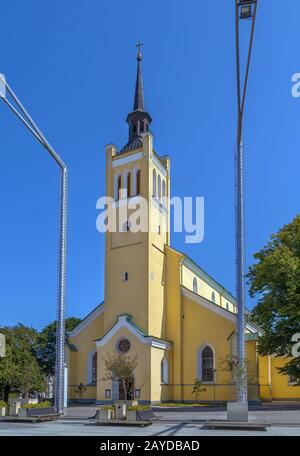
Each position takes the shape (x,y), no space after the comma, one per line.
(73,64)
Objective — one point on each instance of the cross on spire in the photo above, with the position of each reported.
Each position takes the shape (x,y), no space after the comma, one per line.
(139,95)
(139,45)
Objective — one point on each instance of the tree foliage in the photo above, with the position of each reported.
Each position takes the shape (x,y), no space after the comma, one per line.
(198,388)
(80,390)
(47,344)
(119,367)
(19,370)
(275,280)
(30,357)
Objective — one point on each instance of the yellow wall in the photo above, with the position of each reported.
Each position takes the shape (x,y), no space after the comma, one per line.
(201,327)
(205,289)
(273,385)
(142,371)
(147,372)
(78,360)
(173,328)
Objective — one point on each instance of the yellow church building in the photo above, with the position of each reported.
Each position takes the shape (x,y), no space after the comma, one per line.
(159,304)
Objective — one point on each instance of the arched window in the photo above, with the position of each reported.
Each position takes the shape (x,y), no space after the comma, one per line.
(195,285)
(164,371)
(128,185)
(213,297)
(138,182)
(136,187)
(159,187)
(94,368)
(163,188)
(119,186)
(207,364)
(154,183)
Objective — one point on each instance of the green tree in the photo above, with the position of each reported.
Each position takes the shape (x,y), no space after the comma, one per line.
(47,344)
(80,390)
(119,367)
(197,388)
(19,370)
(275,280)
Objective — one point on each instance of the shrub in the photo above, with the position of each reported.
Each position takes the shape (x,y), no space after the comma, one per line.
(44,404)
(139,408)
(107,407)
(3,404)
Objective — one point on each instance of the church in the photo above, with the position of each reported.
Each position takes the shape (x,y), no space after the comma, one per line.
(159,305)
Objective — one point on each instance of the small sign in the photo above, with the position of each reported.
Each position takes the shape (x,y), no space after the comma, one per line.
(2,346)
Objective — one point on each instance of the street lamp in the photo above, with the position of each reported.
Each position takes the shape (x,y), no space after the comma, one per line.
(25,118)
(244,10)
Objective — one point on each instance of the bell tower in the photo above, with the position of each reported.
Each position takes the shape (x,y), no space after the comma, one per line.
(138,181)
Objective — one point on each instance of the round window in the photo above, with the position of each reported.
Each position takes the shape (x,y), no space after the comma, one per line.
(123,345)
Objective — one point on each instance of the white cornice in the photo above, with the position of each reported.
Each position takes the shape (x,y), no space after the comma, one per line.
(94,314)
(208,305)
(159,165)
(128,159)
(253,329)
(124,323)
(159,205)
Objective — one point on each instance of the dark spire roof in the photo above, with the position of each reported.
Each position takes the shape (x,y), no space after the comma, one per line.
(139,93)
(138,120)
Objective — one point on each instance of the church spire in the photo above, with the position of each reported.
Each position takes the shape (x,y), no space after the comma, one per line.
(138,120)
(139,93)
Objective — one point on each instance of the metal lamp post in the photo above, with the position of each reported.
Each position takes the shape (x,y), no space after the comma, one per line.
(60,329)
(245,10)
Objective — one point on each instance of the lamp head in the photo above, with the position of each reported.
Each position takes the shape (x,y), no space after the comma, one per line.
(246,8)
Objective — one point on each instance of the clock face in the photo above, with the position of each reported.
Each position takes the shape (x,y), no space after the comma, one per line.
(123,346)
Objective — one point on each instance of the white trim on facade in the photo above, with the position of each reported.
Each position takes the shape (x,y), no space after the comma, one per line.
(94,314)
(124,160)
(159,205)
(253,329)
(124,323)
(159,165)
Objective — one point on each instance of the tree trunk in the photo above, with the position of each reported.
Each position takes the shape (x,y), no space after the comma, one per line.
(6,392)
(125,389)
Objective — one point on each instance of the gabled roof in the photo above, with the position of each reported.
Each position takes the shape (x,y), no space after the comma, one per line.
(125,321)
